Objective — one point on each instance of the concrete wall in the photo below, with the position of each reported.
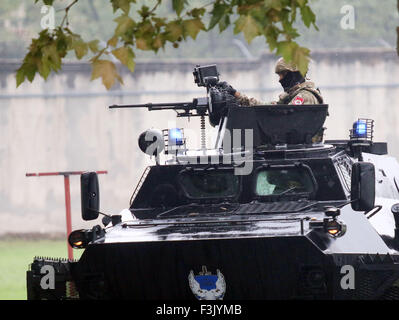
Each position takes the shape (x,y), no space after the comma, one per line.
(64,124)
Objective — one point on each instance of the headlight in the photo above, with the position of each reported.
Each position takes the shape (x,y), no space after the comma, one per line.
(333,227)
(78,239)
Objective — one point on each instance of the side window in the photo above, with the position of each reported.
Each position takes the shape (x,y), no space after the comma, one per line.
(263,186)
(330,185)
(282,179)
(207,184)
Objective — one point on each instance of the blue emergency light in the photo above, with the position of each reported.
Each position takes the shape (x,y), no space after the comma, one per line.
(175,137)
(360,129)
(361,137)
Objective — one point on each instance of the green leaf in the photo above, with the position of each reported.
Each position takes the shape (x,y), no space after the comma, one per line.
(122,54)
(217,13)
(300,58)
(158,42)
(193,26)
(30,72)
(274,4)
(146,28)
(107,71)
(113,41)
(308,16)
(292,52)
(125,55)
(20,76)
(124,5)
(301,3)
(144,12)
(289,31)
(141,44)
(178,6)
(62,43)
(30,68)
(71,41)
(80,48)
(44,68)
(197,12)
(93,45)
(173,30)
(52,55)
(224,23)
(248,26)
(285,49)
(125,24)
(159,22)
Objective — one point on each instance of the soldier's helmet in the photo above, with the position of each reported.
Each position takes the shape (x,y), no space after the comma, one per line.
(284,66)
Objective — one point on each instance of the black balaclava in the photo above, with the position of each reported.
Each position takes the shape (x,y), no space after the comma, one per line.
(291,79)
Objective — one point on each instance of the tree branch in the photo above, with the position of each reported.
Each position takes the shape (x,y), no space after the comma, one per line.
(66,13)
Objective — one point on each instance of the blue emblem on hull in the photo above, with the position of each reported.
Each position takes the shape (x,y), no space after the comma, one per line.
(207,286)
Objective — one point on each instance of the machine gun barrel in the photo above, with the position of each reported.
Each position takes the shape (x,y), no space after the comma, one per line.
(158,106)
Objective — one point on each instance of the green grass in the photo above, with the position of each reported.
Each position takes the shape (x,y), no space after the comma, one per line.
(15,257)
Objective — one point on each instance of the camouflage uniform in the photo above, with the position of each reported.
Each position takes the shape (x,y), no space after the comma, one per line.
(247,101)
(302,93)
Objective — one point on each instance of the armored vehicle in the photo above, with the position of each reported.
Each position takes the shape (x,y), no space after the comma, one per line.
(265,214)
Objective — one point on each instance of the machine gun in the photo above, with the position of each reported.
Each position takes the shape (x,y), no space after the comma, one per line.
(213,105)
(183,109)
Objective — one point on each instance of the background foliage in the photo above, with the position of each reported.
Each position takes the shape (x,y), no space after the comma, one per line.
(88,20)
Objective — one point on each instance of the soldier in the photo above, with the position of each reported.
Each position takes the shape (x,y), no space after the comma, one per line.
(296,89)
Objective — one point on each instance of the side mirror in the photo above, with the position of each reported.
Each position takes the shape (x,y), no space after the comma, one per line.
(90,195)
(363,186)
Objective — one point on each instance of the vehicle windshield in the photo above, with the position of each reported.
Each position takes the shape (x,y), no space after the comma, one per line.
(210,184)
(287,180)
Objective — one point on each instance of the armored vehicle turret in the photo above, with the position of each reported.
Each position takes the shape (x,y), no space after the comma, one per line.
(265,214)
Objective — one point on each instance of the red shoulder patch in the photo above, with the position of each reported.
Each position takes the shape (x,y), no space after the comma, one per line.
(298,100)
